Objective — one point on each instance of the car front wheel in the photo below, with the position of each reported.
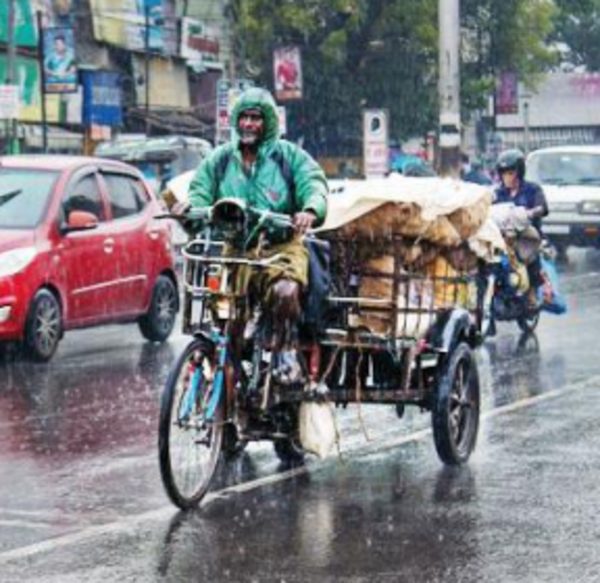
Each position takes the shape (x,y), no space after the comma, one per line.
(157,323)
(43,328)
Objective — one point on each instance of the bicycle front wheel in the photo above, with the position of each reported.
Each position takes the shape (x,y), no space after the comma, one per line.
(191,425)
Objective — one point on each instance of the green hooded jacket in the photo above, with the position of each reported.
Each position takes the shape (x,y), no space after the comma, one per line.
(265,187)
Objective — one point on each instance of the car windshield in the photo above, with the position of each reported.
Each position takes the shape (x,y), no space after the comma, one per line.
(24,195)
(564,168)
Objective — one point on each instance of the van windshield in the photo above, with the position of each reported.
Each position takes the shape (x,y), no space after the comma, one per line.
(24,196)
(566,168)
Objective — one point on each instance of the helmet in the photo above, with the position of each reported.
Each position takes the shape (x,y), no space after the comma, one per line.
(511,160)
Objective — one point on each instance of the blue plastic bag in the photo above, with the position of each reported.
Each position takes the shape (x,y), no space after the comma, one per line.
(549,294)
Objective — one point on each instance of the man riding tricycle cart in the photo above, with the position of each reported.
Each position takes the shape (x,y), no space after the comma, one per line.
(392,316)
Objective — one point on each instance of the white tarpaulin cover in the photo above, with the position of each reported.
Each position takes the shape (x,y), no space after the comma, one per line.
(440,210)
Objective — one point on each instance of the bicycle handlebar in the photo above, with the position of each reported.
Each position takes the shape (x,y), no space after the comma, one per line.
(195,219)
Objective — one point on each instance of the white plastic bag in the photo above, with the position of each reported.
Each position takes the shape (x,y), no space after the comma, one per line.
(318,432)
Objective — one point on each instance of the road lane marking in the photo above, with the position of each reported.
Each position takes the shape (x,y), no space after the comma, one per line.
(129,524)
(24,524)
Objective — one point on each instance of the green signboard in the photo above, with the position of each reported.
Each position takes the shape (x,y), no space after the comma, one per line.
(25,25)
(27,77)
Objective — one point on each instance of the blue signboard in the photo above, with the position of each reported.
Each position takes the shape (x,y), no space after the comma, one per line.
(102,104)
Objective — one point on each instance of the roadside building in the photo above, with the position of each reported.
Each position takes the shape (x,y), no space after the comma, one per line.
(563,110)
(143,66)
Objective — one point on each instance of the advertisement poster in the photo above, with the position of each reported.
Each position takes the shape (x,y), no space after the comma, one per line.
(507,94)
(287,72)
(59,61)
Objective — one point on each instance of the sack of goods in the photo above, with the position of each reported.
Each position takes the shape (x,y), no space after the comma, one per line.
(435,229)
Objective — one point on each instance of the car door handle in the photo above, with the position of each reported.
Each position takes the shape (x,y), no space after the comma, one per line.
(109,245)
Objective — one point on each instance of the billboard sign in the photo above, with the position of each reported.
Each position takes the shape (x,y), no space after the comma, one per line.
(25,33)
(199,44)
(375,142)
(60,71)
(102,104)
(123,23)
(287,73)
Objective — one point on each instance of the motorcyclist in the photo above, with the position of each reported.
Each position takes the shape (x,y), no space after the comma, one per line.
(270,173)
(518,191)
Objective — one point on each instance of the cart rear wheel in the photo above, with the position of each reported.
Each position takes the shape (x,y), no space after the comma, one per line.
(455,415)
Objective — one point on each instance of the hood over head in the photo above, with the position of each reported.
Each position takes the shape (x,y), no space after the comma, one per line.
(261,99)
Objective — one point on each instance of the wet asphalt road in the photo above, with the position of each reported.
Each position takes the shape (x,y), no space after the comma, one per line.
(81,498)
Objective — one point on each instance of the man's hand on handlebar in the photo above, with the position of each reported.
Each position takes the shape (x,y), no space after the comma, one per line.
(179,209)
(303,221)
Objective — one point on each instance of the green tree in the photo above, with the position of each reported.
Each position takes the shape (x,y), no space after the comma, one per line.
(508,36)
(578,27)
(384,54)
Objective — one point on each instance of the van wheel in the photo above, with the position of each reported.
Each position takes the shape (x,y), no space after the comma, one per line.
(157,324)
(43,328)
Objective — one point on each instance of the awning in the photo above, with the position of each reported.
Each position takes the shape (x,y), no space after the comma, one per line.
(173,121)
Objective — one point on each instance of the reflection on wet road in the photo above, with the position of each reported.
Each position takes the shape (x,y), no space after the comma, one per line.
(80,495)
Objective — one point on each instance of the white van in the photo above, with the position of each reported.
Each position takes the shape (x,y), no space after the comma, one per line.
(570,177)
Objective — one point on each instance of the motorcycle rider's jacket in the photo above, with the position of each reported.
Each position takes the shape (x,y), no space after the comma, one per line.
(284,178)
(529,195)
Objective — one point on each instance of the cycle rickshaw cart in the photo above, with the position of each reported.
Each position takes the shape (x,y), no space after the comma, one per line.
(399,326)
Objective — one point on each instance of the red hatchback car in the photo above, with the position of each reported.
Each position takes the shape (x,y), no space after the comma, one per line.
(79,246)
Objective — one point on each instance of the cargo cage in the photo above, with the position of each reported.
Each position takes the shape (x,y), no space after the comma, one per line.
(389,348)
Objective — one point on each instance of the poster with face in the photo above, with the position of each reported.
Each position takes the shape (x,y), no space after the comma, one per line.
(287,72)
(60,70)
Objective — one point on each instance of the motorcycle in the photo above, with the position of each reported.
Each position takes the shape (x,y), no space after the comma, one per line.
(505,287)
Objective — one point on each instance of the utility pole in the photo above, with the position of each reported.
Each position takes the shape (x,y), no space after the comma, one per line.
(449,87)
(11,125)
(147,64)
(40,31)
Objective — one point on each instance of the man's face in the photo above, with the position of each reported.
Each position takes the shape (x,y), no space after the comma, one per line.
(60,46)
(251,126)
(509,178)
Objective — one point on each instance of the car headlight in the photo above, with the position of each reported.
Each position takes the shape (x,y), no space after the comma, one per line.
(16,260)
(590,207)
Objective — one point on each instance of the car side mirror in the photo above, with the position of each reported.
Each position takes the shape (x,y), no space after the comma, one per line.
(81,221)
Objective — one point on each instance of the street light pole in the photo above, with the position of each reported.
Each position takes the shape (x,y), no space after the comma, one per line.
(449,87)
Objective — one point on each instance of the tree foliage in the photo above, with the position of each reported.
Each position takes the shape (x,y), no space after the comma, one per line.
(507,36)
(360,54)
(578,29)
